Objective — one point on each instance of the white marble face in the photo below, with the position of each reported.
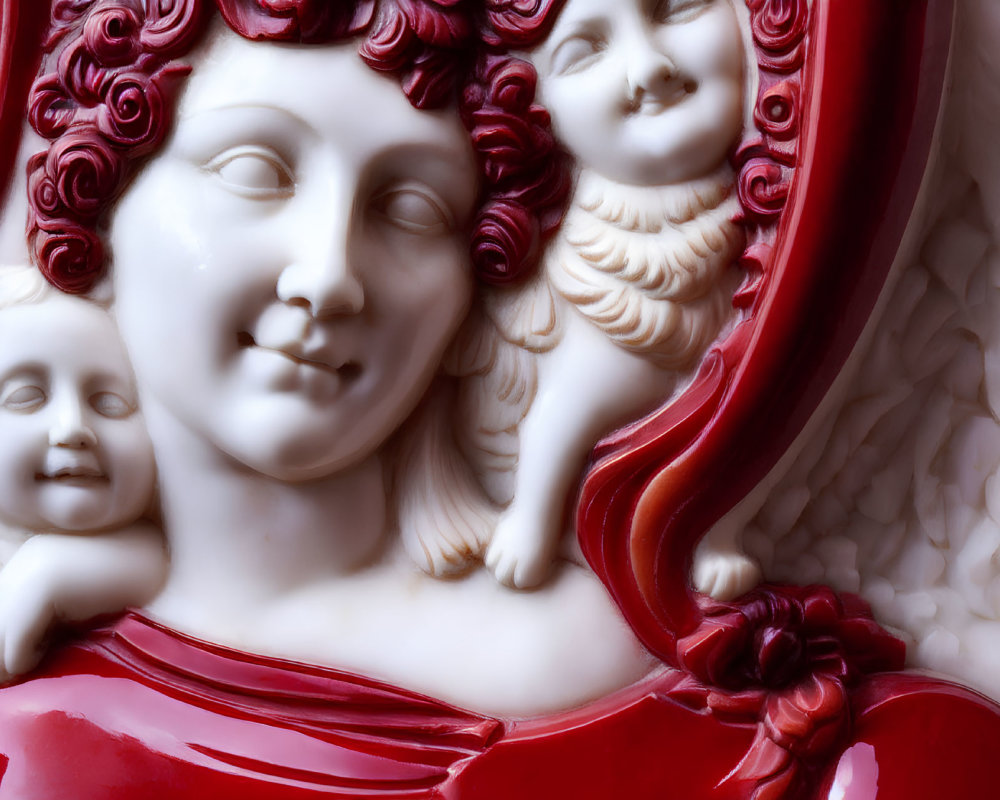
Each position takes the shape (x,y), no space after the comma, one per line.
(645,92)
(74,454)
(290,267)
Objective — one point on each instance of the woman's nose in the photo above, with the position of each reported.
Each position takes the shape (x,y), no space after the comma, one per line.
(321,276)
(70,429)
(325,287)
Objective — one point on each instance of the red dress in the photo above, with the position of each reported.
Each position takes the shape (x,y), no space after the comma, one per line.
(136,710)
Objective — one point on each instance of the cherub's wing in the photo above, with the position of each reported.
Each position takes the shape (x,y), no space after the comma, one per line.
(495,360)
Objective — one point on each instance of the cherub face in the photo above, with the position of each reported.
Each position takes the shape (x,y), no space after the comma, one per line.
(289,269)
(74,454)
(645,92)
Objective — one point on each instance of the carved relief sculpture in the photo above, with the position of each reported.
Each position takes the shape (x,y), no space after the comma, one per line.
(386,387)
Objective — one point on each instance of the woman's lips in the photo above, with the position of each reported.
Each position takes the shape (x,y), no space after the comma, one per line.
(321,358)
(317,374)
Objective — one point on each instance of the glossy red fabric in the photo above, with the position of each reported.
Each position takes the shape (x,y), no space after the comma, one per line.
(153,714)
(138,711)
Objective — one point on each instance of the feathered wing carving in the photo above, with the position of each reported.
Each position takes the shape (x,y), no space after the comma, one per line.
(896,494)
(458,462)
(495,356)
(649,268)
(445,519)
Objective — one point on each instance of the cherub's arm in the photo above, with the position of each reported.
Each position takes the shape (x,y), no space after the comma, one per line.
(58,577)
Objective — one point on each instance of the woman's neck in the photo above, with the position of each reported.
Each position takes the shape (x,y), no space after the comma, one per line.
(240,541)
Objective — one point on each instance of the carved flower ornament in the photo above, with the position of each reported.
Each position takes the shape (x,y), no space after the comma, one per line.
(785,657)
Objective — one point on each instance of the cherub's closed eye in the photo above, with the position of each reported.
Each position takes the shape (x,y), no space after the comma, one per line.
(675,11)
(23,398)
(111,405)
(576,53)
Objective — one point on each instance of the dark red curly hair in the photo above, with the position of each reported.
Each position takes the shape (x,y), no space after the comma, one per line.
(113,68)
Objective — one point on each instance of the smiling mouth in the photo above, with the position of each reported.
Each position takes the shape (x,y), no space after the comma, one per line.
(347,371)
(73,476)
(647,103)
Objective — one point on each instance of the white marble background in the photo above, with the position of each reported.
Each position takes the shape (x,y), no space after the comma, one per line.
(897,496)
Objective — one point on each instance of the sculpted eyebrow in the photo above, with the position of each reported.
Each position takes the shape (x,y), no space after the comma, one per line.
(205,130)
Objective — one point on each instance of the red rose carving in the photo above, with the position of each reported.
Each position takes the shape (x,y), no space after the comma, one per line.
(505,239)
(85,172)
(51,111)
(134,112)
(81,75)
(42,193)
(109,34)
(71,259)
(784,657)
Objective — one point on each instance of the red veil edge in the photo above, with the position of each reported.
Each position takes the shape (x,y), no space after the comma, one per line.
(22,26)
(871,87)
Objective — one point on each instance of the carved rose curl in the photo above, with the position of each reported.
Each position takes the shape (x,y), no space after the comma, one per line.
(386,47)
(430,81)
(762,189)
(779,635)
(513,83)
(504,242)
(50,111)
(505,141)
(777,110)
(81,75)
(518,23)
(110,35)
(71,259)
(64,14)
(85,172)
(134,112)
(548,191)
(171,26)
(513,136)
(297,20)
(434,22)
(43,196)
(779,26)
(419,39)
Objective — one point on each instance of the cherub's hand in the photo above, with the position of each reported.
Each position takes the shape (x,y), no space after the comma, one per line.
(28,585)
(724,575)
(56,577)
(522,551)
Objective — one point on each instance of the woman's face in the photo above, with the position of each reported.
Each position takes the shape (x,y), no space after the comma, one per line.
(289,269)
(645,92)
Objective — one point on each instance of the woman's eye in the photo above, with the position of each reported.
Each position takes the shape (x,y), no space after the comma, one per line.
(576,53)
(111,405)
(253,172)
(413,211)
(668,11)
(24,399)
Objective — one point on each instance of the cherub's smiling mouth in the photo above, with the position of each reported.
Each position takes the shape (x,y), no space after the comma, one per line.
(82,475)
(651,103)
